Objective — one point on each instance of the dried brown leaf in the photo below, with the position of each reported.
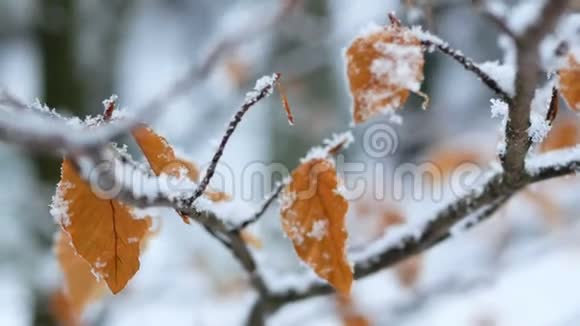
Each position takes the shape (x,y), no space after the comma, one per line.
(383,67)
(349,314)
(564,134)
(104,232)
(313,217)
(570,83)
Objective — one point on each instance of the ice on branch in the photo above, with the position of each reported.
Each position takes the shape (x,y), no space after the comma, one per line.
(423,35)
(332,145)
(555,160)
(539,126)
(59,205)
(395,237)
(503,74)
(113,99)
(265,83)
(499,109)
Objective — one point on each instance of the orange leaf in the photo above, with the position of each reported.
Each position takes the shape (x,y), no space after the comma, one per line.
(162,159)
(80,285)
(313,216)
(570,83)
(62,310)
(383,66)
(409,270)
(104,232)
(285,103)
(160,155)
(564,134)
(237,70)
(217,196)
(348,312)
(447,161)
(251,239)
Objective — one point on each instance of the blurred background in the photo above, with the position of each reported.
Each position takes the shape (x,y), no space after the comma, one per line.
(520,268)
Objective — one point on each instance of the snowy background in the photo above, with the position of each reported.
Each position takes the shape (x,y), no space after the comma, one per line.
(520,268)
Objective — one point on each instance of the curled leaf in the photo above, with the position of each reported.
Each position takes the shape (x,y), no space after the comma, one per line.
(162,159)
(102,231)
(285,103)
(383,66)
(313,214)
(160,154)
(570,83)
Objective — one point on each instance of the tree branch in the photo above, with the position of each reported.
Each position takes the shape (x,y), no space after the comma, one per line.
(469,65)
(254,218)
(527,77)
(480,204)
(264,88)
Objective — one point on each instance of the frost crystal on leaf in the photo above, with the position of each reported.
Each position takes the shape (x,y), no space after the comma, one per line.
(287,198)
(400,66)
(319,230)
(337,141)
(59,205)
(383,66)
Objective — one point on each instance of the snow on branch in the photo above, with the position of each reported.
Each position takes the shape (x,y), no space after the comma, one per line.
(264,88)
(262,210)
(493,81)
(460,215)
(518,141)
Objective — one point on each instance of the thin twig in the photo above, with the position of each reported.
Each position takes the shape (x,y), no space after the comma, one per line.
(554,106)
(254,218)
(261,91)
(482,202)
(469,65)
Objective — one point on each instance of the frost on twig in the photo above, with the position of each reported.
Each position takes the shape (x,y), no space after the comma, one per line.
(432,42)
(264,88)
